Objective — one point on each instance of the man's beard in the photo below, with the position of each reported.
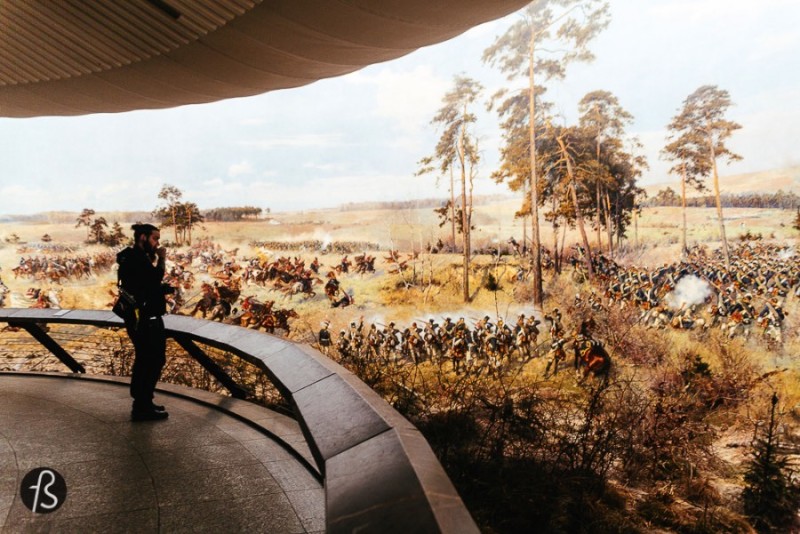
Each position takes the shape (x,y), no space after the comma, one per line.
(148,248)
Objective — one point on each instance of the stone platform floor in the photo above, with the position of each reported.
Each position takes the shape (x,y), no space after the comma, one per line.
(202,470)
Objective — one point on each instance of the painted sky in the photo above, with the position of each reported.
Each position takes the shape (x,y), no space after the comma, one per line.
(359,137)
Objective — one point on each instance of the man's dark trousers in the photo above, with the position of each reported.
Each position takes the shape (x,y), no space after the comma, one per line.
(150,346)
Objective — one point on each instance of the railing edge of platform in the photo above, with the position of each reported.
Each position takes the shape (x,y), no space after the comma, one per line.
(356,438)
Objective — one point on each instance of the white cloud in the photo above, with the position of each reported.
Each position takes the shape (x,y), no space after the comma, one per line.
(140,195)
(652,143)
(765,141)
(323,166)
(237,169)
(325,192)
(378,120)
(296,141)
(772,44)
(410,98)
(27,199)
(717,11)
(115,188)
(768,137)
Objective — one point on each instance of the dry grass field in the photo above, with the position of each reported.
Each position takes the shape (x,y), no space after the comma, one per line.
(431,288)
(658,238)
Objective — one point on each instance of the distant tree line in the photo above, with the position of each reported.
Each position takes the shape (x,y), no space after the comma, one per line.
(413,204)
(233,214)
(392,205)
(66,217)
(777,200)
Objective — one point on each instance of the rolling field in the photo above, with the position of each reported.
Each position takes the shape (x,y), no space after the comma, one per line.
(743,373)
(658,238)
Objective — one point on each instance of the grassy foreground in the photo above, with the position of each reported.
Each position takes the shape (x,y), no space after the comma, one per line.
(663,446)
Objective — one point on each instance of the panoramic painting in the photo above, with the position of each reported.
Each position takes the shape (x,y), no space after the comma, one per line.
(559,246)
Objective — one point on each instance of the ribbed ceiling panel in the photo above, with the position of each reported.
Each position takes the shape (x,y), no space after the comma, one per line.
(71,57)
(48,40)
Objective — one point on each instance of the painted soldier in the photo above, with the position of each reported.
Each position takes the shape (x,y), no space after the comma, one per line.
(324,338)
(343,345)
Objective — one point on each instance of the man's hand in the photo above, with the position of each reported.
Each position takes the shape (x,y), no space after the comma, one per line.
(161,255)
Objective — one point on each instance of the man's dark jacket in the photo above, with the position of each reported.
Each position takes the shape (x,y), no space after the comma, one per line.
(142,279)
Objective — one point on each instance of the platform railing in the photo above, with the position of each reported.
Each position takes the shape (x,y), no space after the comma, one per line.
(379,473)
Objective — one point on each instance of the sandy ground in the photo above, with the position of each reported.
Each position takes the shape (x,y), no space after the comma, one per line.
(382,297)
(657,234)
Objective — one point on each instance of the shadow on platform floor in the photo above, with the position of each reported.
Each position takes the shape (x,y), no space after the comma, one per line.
(201,470)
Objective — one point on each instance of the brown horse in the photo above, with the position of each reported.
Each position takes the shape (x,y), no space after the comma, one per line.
(254,311)
(207,301)
(594,359)
(278,319)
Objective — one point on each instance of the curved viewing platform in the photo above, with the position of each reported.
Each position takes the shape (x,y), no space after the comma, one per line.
(344,460)
(203,469)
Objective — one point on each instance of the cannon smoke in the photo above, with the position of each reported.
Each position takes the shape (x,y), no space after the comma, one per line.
(689,290)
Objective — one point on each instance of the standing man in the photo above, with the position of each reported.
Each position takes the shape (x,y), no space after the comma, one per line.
(325,338)
(141,271)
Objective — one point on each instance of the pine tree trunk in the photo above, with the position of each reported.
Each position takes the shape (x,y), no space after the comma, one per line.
(599,208)
(618,220)
(609,226)
(175,225)
(578,215)
(464,215)
(524,218)
(452,209)
(563,244)
(538,294)
(719,206)
(189,226)
(684,246)
(555,243)
(581,228)
(599,201)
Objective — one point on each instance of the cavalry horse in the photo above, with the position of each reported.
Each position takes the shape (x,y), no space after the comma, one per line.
(207,301)
(594,359)
(278,319)
(332,288)
(302,286)
(590,354)
(254,311)
(218,299)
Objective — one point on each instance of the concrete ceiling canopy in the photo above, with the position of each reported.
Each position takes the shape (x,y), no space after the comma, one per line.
(76,57)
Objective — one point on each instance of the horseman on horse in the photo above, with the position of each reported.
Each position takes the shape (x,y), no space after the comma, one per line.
(589,352)
(332,286)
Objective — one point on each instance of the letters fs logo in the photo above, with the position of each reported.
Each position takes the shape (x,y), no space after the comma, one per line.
(43,490)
